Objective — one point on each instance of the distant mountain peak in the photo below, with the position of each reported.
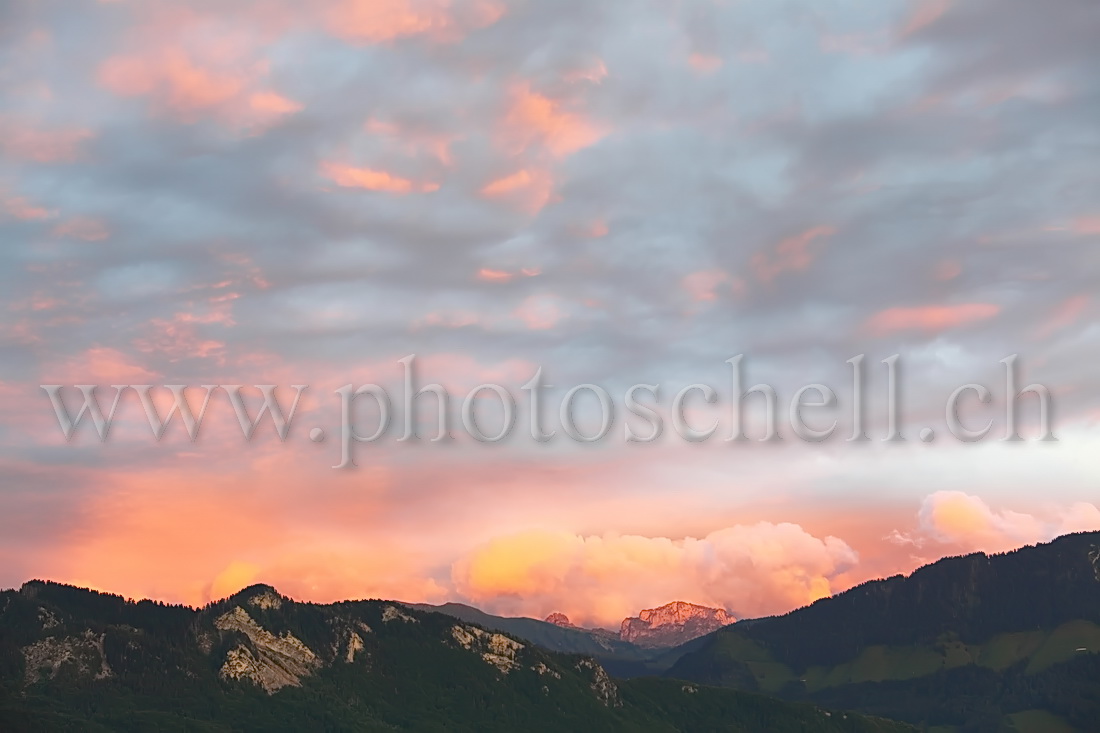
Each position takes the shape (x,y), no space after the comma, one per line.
(673,623)
(560,619)
(260,595)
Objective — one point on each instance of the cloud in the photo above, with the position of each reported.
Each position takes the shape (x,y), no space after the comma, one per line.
(22,209)
(348,176)
(967,521)
(533,118)
(792,253)
(82,227)
(752,570)
(931,319)
(376,21)
(23,141)
(702,285)
(528,189)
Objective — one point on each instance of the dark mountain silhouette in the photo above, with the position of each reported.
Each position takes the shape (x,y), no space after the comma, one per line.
(78,660)
(977,642)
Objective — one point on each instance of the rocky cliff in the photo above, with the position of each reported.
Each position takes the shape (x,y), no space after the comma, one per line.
(672,624)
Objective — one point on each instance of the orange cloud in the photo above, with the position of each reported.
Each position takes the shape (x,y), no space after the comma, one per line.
(967,521)
(494,275)
(272,104)
(224,85)
(491,275)
(704,63)
(181,84)
(233,533)
(792,253)
(528,189)
(750,570)
(376,21)
(533,119)
(373,180)
(931,318)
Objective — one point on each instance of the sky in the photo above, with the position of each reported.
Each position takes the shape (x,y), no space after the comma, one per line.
(616,193)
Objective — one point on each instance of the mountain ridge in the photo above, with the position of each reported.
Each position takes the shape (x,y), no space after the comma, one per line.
(966,642)
(75,659)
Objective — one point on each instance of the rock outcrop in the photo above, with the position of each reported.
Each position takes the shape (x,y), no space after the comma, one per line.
(560,619)
(496,649)
(672,624)
(271,661)
(605,688)
(82,654)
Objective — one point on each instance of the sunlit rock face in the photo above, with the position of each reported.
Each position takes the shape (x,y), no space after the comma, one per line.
(672,624)
(272,661)
(560,619)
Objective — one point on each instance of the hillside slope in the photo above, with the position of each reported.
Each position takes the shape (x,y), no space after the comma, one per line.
(974,642)
(77,660)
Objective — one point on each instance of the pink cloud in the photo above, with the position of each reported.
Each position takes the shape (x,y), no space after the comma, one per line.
(1087,225)
(225,84)
(21,208)
(100,365)
(948,270)
(539,312)
(534,119)
(528,189)
(790,254)
(932,318)
(376,21)
(82,227)
(1065,315)
(925,14)
(704,63)
(348,176)
(414,140)
(702,285)
(24,142)
(967,521)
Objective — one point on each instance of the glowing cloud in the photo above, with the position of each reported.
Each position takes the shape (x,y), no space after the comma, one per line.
(967,521)
(751,570)
(348,176)
(376,21)
(932,319)
(535,119)
(530,190)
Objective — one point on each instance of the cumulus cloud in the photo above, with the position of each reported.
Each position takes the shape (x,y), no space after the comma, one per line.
(967,521)
(287,192)
(751,570)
